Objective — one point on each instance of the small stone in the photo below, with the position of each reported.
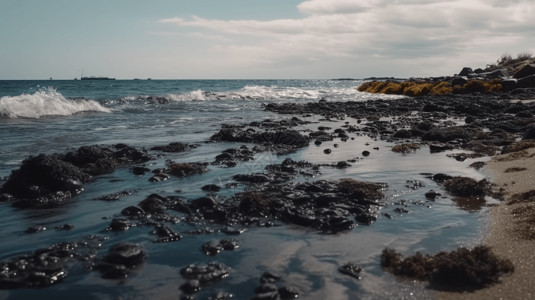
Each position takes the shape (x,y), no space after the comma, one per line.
(351,270)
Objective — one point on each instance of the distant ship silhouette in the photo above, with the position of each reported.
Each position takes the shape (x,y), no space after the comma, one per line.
(97,78)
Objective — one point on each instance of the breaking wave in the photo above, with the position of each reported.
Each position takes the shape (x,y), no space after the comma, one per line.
(270,93)
(45,102)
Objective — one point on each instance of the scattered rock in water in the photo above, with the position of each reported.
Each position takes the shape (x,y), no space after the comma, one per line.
(441,177)
(121,259)
(175,147)
(35,229)
(140,170)
(462,269)
(279,141)
(270,288)
(215,247)
(166,234)
(116,196)
(200,275)
(119,224)
(406,148)
(51,180)
(45,181)
(231,157)
(212,188)
(466,187)
(159,177)
(352,270)
(186,169)
(432,195)
(45,266)
(327,151)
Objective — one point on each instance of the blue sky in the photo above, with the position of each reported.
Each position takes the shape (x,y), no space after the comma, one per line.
(212,39)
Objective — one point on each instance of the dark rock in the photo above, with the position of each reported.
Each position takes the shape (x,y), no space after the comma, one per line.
(526,82)
(444,135)
(462,269)
(97,160)
(403,134)
(529,134)
(172,147)
(327,151)
(121,259)
(365,153)
(351,270)
(127,254)
(65,227)
(191,286)
(43,176)
(153,204)
(290,138)
(140,170)
(499,73)
(186,169)
(509,84)
(133,211)
(205,274)
(36,228)
(159,177)
(251,178)
(466,187)
(459,81)
(342,165)
(204,202)
(440,177)
(527,70)
(432,195)
(118,224)
(439,147)
(288,293)
(466,71)
(116,196)
(166,234)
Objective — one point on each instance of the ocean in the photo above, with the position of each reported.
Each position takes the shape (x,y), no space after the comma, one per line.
(57,116)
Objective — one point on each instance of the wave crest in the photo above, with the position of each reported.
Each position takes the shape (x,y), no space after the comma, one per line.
(45,102)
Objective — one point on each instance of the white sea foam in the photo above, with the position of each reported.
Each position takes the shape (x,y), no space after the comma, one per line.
(255,92)
(45,102)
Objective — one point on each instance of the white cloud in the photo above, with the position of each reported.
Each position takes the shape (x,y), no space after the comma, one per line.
(402,33)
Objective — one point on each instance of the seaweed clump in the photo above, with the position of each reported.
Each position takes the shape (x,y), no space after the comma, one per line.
(462,269)
(405,148)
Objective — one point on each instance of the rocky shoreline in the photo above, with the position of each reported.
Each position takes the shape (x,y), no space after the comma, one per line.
(482,124)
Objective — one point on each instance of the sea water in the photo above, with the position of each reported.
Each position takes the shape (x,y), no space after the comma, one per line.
(58,116)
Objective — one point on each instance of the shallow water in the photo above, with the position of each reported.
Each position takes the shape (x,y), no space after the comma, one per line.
(192,111)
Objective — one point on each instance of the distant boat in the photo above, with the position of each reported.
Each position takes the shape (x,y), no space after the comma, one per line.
(97,78)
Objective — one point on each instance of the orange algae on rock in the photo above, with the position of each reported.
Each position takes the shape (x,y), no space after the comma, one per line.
(422,88)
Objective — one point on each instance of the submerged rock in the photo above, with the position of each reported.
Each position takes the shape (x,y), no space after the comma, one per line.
(462,269)
(121,259)
(51,180)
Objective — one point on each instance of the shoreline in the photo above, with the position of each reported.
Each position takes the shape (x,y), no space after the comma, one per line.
(508,235)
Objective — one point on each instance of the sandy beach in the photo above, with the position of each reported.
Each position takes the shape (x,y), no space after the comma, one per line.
(511,233)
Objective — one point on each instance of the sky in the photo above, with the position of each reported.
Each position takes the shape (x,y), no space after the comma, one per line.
(258,39)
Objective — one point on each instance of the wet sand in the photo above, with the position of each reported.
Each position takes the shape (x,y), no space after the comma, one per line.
(512,228)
